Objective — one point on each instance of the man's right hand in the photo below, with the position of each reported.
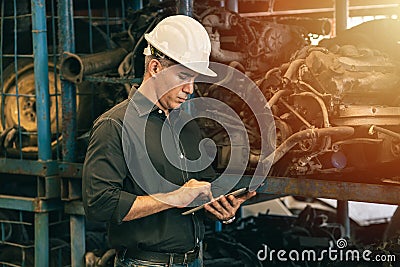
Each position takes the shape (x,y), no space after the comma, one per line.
(148,205)
(190,191)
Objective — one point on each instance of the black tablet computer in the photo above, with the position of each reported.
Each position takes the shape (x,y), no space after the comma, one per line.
(235,193)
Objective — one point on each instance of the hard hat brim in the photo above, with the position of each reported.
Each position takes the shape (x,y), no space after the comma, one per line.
(198,67)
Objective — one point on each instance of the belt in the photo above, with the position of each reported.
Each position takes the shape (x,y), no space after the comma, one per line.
(160,257)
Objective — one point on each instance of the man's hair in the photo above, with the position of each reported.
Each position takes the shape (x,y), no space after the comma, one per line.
(165,63)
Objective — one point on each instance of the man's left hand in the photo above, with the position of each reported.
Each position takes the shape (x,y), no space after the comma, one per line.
(224,208)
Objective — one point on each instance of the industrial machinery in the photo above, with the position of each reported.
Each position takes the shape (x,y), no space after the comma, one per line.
(335,105)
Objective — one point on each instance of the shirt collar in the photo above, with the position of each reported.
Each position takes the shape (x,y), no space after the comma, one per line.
(143,105)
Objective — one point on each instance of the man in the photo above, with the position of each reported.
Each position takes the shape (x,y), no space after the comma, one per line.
(136,175)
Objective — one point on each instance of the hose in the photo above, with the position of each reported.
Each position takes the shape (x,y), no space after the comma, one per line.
(340,131)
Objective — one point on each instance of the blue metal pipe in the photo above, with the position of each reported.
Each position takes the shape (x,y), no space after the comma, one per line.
(67,39)
(68,90)
(42,239)
(39,35)
(136,5)
(185,7)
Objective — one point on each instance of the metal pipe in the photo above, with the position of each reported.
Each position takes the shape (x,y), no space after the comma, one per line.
(233,5)
(39,36)
(137,4)
(301,118)
(67,41)
(68,90)
(102,262)
(312,89)
(221,55)
(373,9)
(341,15)
(343,216)
(185,7)
(291,72)
(317,26)
(42,239)
(277,96)
(374,129)
(340,131)
(74,67)
(321,104)
(213,21)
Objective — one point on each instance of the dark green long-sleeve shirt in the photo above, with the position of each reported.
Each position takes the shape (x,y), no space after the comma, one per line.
(127,157)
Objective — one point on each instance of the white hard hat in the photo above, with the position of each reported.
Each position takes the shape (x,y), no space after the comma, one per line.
(184,40)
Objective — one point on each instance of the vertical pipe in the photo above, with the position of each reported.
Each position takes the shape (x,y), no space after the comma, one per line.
(39,36)
(90,26)
(123,12)
(107,23)
(341,15)
(67,39)
(343,216)
(233,5)
(16,74)
(136,5)
(68,90)
(77,224)
(185,7)
(42,239)
(1,64)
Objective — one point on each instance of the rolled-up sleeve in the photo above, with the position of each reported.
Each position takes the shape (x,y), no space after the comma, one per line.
(103,176)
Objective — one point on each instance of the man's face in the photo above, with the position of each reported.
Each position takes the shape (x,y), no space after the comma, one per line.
(177,85)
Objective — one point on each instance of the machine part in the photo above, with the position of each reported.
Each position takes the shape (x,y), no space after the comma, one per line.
(283,132)
(19,117)
(367,115)
(336,146)
(92,260)
(19,106)
(74,68)
(223,56)
(292,71)
(321,104)
(375,128)
(337,132)
(277,96)
(316,26)
(301,118)
(213,21)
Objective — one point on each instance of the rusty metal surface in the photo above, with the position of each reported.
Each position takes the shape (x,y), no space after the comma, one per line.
(373,193)
(361,115)
(28,167)
(29,204)
(70,169)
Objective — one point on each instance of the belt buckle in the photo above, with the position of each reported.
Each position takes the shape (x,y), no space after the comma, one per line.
(185,258)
